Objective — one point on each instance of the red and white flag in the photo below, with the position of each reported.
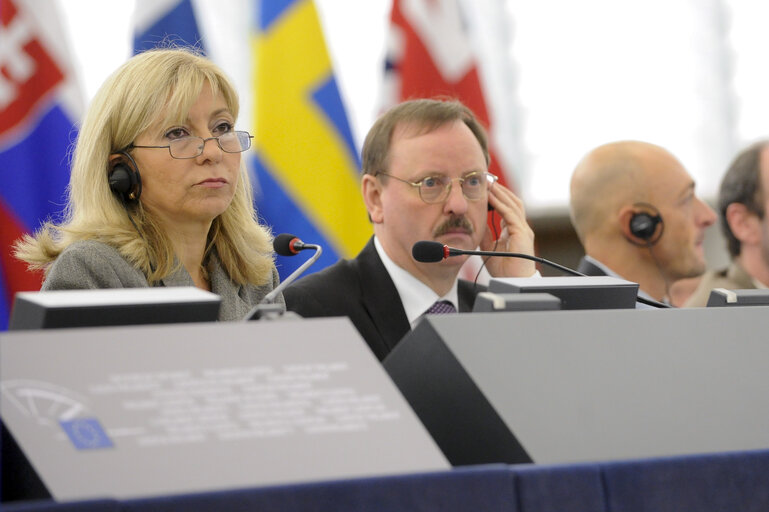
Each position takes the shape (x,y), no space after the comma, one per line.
(40,102)
(430,54)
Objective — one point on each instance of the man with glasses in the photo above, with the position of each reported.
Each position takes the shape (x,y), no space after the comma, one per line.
(425,165)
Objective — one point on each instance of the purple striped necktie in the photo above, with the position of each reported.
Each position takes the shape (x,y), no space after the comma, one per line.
(441,307)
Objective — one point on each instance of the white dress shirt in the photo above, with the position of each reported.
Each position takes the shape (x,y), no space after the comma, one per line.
(415,295)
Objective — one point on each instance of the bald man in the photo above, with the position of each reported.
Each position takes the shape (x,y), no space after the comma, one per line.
(635,211)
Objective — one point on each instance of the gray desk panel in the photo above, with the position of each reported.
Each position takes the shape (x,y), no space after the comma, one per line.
(150,410)
(601,385)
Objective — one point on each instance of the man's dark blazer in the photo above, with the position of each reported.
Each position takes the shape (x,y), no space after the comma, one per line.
(362,290)
(589,269)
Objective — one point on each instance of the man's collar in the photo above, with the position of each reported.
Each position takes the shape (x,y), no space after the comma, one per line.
(415,295)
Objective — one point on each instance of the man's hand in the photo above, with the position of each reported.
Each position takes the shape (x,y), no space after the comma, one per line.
(516,235)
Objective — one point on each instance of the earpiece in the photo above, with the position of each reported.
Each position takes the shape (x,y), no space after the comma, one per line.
(646,224)
(124,178)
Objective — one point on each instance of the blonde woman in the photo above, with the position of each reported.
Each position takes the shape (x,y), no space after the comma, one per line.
(159,195)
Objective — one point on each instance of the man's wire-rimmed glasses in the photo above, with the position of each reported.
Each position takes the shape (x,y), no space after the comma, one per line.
(436,189)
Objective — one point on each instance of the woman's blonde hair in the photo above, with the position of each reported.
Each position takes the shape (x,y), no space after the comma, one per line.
(157,82)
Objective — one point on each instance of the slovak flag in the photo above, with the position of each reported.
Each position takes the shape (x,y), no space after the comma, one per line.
(40,102)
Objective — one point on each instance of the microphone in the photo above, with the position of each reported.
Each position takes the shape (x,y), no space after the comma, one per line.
(284,244)
(428,251)
(287,244)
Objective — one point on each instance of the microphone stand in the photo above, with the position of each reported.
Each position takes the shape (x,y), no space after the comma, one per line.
(267,309)
(567,270)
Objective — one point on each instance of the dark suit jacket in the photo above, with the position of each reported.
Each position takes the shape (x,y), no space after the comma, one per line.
(362,290)
(589,269)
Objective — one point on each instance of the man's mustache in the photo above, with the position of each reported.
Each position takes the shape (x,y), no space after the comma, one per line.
(453,223)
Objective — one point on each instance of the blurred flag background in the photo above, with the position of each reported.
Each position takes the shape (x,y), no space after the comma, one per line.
(430,54)
(307,164)
(40,103)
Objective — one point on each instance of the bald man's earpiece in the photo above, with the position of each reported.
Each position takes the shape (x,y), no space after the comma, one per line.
(646,225)
(124,178)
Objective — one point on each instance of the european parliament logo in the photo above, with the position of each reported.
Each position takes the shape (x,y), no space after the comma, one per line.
(86,433)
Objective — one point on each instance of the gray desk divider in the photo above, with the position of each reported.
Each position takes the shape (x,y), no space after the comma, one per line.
(579,386)
(575,292)
(153,410)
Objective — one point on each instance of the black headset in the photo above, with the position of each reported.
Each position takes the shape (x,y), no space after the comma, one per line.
(646,225)
(124,178)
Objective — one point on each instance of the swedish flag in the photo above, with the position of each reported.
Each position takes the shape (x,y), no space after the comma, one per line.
(307,165)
